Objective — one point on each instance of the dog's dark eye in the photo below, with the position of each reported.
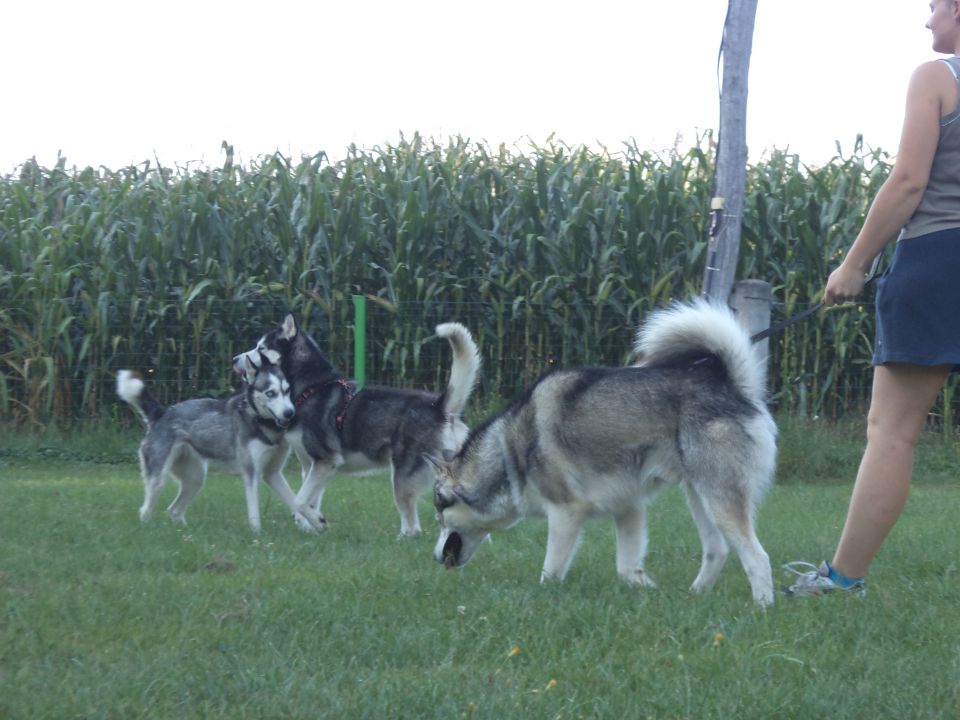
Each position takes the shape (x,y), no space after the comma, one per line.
(440,502)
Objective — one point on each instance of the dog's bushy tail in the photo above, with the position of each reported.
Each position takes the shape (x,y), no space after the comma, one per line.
(133,390)
(701,326)
(466,365)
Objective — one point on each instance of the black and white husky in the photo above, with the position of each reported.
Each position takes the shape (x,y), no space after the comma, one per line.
(340,429)
(244,434)
(600,441)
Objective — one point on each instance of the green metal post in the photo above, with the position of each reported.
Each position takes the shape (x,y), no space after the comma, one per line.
(360,340)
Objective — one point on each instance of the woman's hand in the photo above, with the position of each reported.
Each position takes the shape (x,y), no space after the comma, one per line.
(844,283)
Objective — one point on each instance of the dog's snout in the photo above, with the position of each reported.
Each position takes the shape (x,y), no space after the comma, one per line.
(288,413)
(450,554)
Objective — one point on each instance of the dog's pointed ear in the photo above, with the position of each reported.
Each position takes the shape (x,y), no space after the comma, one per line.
(249,370)
(289,328)
(440,465)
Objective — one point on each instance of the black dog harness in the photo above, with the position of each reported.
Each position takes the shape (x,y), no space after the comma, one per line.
(313,389)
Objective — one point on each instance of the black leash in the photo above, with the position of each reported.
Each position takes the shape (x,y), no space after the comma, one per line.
(803,314)
(777,327)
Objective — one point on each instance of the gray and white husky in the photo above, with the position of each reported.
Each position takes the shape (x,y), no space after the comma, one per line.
(244,434)
(340,429)
(601,441)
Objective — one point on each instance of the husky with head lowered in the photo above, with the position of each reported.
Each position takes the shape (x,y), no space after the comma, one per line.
(244,434)
(341,429)
(601,441)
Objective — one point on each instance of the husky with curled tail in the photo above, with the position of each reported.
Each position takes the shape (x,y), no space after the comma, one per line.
(341,429)
(600,441)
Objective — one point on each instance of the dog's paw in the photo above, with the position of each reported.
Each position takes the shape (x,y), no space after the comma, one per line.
(311,522)
(763,596)
(550,578)
(638,578)
(303,523)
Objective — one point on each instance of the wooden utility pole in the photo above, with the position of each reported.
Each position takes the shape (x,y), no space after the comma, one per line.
(751,298)
(731,170)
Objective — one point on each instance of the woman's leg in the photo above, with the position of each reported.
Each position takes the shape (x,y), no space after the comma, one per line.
(901,399)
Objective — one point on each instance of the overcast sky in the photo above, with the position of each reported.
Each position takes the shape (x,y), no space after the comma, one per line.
(111,83)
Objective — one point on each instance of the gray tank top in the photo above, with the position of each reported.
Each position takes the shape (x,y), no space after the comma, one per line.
(939,207)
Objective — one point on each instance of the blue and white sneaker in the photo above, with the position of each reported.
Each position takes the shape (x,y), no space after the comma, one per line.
(813,581)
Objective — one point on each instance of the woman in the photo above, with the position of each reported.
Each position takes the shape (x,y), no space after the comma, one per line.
(918,336)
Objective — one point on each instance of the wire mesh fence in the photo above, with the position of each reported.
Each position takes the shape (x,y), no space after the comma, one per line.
(187,352)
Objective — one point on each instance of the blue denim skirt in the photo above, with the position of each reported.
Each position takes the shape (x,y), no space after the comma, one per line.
(918,302)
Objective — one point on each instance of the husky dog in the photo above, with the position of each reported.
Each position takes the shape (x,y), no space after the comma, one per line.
(244,434)
(600,441)
(340,429)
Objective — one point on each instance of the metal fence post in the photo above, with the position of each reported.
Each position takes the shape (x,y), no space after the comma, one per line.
(360,340)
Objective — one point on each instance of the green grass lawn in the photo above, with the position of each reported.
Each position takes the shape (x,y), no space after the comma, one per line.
(104,617)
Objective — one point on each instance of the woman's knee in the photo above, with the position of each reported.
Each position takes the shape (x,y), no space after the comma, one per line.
(902,399)
(890,433)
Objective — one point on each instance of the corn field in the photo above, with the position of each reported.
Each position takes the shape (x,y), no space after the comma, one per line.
(550,256)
